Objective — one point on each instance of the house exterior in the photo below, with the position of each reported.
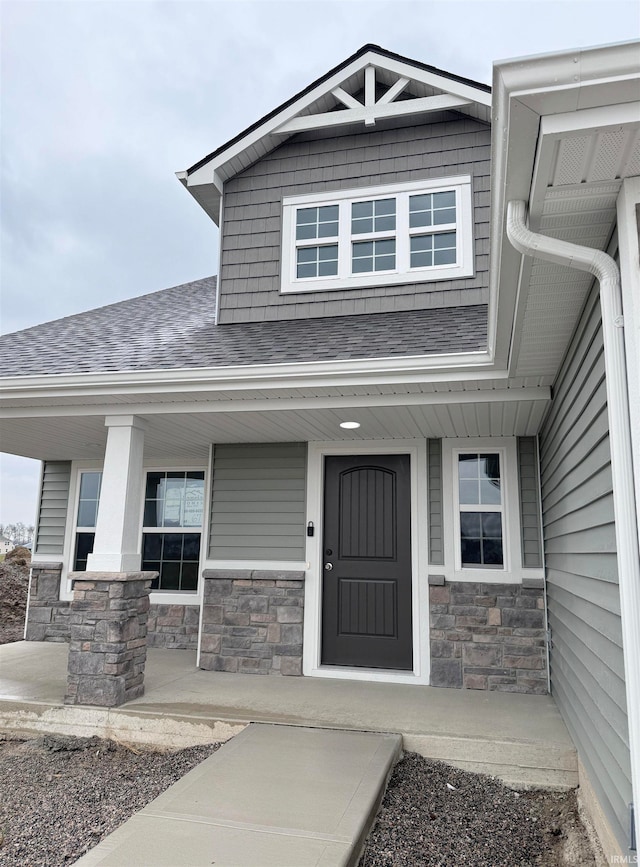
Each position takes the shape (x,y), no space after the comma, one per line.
(6,545)
(398,438)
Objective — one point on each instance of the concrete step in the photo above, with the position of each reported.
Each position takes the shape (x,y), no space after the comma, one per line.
(274,796)
(521,764)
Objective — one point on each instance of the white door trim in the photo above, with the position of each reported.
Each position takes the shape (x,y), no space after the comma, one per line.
(417,451)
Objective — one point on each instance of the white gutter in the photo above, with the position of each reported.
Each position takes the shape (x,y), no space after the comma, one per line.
(606,272)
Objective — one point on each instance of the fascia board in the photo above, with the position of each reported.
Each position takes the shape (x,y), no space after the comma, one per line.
(514,141)
(247,377)
(440,398)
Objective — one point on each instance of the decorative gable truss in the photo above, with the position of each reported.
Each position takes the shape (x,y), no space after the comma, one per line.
(370,105)
(373,85)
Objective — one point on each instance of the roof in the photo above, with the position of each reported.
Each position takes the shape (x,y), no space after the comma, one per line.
(175,328)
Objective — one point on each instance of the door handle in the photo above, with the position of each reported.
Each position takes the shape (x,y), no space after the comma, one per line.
(328,566)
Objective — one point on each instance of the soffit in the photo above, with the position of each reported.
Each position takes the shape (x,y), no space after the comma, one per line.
(188,433)
(579,170)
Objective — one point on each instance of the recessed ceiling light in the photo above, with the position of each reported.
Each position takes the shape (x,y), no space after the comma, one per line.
(349,425)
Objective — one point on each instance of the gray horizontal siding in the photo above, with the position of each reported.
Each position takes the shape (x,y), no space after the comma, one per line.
(52,513)
(251,243)
(587,663)
(258,502)
(434,470)
(529,503)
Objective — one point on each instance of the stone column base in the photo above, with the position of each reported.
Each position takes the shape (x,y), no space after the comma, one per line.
(47,616)
(108,648)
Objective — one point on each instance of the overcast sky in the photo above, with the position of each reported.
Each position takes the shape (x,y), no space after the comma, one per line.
(101,102)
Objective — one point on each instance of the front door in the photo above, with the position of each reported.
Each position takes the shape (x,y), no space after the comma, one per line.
(366,596)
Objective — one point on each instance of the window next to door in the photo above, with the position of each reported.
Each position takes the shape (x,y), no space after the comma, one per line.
(481,513)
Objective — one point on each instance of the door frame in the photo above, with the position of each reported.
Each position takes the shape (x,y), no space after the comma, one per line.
(311,665)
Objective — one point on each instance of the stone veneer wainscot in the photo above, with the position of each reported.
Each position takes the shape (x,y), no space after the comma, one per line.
(252,621)
(488,636)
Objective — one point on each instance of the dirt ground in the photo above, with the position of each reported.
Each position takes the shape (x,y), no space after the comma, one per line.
(14,584)
(61,796)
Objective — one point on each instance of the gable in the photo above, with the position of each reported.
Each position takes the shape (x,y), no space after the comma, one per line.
(371,86)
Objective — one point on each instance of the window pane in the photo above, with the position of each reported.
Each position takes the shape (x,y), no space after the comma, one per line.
(444,200)
(361,209)
(170,576)
(84,547)
(307,254)
(317,261)
(444,257)
(189,578)
(90,486)
(492,525)
(470,524)
(481,538)
(191,547)
(490,492)
(317,222)
(154,485)
(445,216)
(490,466)
(172,546)
(152,546)
(471,552)
(175,556)
(385,206)
(383,258)
(87,513)
(152,513)
(469,491)
(492,552)
(363,265)
(436,249)
(468,466)
(385,224)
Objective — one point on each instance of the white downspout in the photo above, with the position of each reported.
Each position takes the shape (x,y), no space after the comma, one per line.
(606,272)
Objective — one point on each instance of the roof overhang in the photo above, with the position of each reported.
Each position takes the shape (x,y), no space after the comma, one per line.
(372,86)
(566,132)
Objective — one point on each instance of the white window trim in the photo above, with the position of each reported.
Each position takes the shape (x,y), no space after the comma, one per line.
(157,597)
(312,633)
(403,273)
(511,571)
(175,597)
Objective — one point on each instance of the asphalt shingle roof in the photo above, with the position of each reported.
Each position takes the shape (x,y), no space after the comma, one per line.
(175,328)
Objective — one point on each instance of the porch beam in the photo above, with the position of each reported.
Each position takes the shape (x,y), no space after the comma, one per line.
(116,541)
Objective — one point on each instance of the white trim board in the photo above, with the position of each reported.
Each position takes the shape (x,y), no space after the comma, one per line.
(311,666)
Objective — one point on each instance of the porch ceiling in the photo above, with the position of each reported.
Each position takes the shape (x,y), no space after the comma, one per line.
(186,431)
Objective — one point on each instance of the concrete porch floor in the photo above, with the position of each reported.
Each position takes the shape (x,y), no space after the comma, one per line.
(519,738)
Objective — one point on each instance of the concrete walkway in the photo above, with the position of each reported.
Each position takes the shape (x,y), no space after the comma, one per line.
(519,738)
(274,796)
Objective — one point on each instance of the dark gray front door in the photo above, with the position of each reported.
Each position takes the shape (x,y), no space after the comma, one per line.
(366,598)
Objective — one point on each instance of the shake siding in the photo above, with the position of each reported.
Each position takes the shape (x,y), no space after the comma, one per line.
(258,502)
(52,514)
(529,503)
(448,145)
(434,469)
(587,665)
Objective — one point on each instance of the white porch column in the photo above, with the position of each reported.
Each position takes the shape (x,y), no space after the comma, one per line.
(118,524)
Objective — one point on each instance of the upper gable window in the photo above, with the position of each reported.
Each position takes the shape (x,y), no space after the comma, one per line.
(405,233)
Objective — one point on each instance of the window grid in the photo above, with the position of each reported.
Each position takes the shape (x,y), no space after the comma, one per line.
(481,508)
(430,229)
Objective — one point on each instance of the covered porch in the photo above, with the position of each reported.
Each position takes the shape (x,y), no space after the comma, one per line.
(519,738)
